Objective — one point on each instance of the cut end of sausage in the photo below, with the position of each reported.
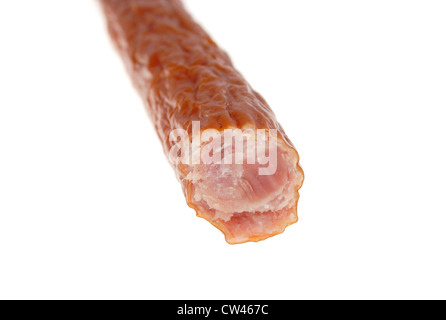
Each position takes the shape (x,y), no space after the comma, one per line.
(243,204)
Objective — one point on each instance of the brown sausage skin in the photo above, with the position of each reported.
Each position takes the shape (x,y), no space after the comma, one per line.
(183,76)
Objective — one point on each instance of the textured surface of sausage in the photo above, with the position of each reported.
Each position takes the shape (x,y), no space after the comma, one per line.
(183,76)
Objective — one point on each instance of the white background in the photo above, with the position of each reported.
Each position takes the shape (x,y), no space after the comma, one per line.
(90,208)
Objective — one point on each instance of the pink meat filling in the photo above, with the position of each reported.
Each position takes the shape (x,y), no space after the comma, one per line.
(247,206)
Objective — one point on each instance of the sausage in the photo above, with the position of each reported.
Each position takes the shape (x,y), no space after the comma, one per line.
(190,87)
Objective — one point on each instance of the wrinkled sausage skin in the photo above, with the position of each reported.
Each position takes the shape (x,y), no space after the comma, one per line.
(183,76)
